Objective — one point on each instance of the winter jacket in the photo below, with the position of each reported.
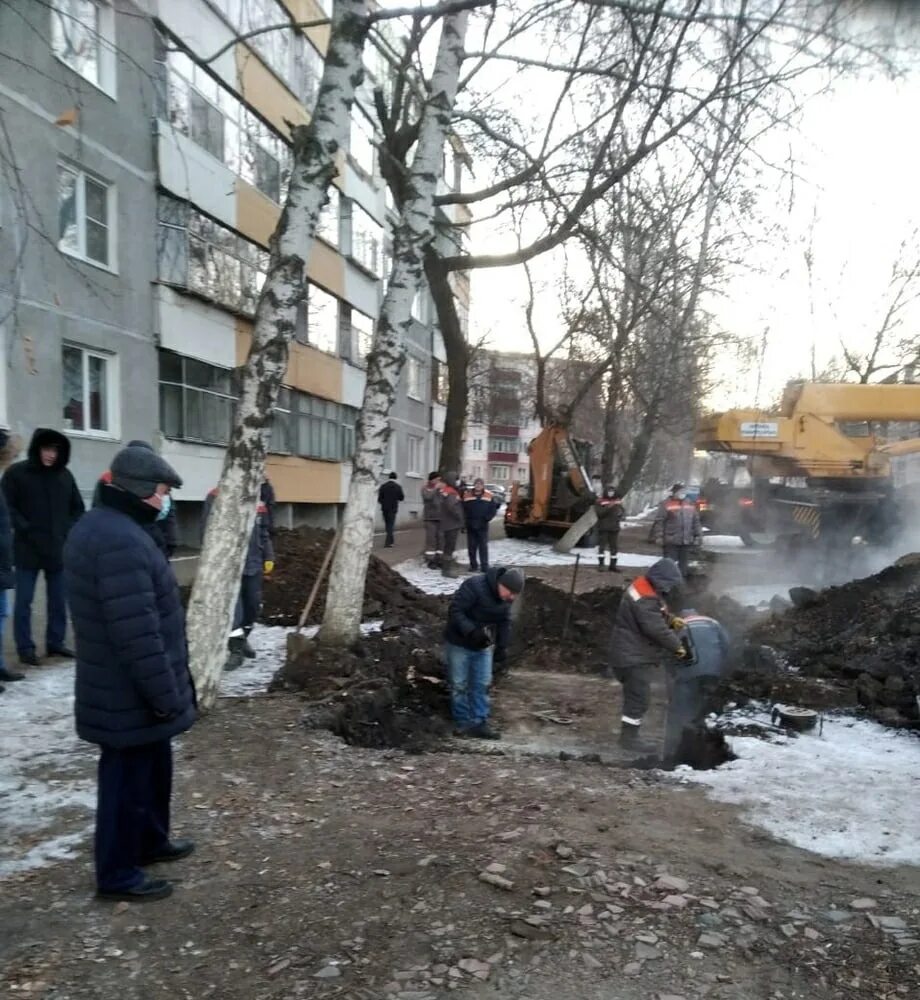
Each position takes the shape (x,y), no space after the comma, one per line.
(133,684)
(677,522)
(476,604)
(609,514)
(6,547)
(44,504)
(479,509)
(641,628)
(165,533)
(431,501)
(390,496)
(451,507)
(260,549)
(708,642)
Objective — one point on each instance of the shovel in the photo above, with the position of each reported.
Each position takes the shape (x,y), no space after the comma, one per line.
(297,643)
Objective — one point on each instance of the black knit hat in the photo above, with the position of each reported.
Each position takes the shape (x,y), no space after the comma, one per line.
(139,470)
(513,579)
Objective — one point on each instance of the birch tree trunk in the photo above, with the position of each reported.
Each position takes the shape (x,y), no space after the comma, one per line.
(316,146)
(414,232)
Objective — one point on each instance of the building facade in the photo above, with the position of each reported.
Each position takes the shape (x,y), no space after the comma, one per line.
(170,138)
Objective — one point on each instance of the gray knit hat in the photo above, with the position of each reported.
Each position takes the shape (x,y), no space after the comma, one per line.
(513,579)
(138,470)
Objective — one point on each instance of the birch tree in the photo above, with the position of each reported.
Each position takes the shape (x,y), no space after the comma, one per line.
(414,232)
(315,147)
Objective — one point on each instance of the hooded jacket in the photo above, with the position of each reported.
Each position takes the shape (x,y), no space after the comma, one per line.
(451,505)
(641,628)
(390,495)
(44,504)
(133,685)
(678,522)
(476,604)
(709,644)
(431,501)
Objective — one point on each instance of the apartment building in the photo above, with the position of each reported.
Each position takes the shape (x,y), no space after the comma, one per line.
(77,196)
(173,137)
(502,422)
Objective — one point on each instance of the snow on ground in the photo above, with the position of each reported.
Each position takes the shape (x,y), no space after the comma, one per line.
(851,793)
(511,552)
(47,778)
(755,595)
(726,543)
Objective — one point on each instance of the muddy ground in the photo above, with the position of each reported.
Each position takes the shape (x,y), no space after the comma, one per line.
(331,871)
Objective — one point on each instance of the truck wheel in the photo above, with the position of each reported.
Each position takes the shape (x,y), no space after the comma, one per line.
(516,531)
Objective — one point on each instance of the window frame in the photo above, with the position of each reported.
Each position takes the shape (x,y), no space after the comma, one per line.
(185,388)
(415,379)
(111,211)
(112,392)
(414,443)
(105,34)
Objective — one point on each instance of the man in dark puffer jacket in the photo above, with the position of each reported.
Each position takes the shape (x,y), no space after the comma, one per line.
(133,689)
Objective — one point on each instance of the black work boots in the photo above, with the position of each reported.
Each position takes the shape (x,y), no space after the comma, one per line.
(632,741)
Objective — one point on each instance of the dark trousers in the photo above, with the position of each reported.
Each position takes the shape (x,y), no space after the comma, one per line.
(432,537)
(389,523)
(249,603)
(477,546)
(608,541)
(681,555)
(132,812)
(449,543)
(637,691)
(26,581)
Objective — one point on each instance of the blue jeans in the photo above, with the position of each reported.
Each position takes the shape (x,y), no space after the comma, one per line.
(26,580)
(470,674)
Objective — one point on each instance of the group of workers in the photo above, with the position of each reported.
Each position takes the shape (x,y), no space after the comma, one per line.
(448,506)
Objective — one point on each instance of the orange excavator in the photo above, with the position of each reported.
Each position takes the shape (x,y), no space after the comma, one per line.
(820,465)
(559,490)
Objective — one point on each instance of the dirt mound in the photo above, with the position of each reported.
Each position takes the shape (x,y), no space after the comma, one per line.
(854,644)
(539,624)
(298,557)
(386,690)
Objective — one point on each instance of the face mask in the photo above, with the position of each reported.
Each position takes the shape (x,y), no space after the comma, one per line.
(164,510)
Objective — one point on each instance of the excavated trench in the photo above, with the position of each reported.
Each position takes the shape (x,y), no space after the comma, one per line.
(852,646)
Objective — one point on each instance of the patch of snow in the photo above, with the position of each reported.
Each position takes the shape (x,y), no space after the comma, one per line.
(47,774)
(726,543)
(852,792)
(755,595)
(511,552)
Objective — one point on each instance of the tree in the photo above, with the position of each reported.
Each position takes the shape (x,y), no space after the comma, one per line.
(414,232)
(315,147)
(633,78)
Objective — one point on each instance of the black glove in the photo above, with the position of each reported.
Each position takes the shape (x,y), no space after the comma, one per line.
(479,638)
(500,656)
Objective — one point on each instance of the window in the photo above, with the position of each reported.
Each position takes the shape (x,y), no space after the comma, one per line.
(438,381)
(281,441)
(523,473)
(200,107)
(414,379)
(83,37)
(477,471)
(361,141)
(477,444)
(416,446)
(323,320)
(322,429)
(88,393)
(196,400)
(366,240)
(327,226)
(84,209)
(500,473)
(510,446)
(196,253)
(362,337)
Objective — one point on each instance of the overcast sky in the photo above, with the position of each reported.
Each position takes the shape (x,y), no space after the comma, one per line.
(855,200)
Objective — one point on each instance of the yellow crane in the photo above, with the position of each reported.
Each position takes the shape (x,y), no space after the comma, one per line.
(821,464)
